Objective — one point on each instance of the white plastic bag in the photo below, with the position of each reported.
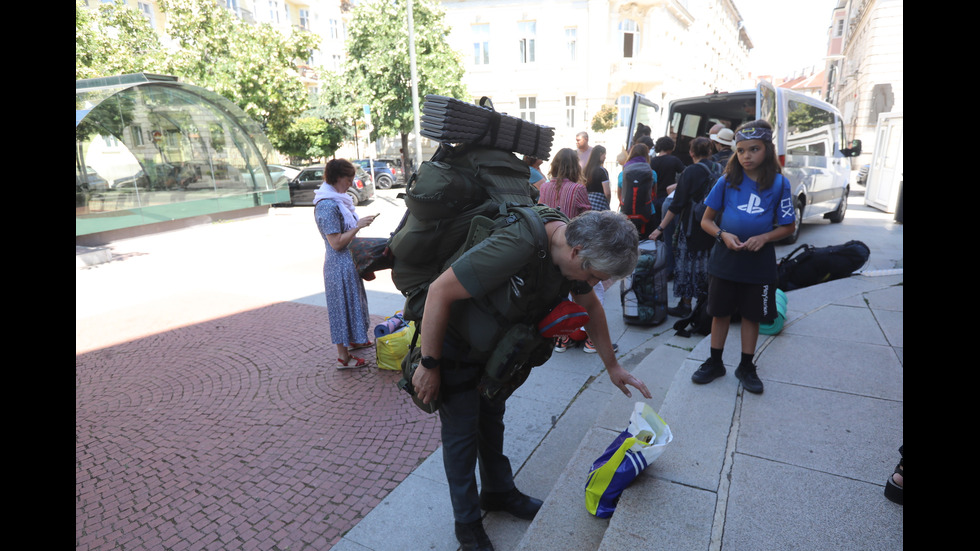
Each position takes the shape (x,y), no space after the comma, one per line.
(640,444)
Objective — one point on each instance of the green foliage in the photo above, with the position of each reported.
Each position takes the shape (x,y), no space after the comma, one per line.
(804,117)
(115,39)
(311,138)
(252,65)
(378,62)
(605,119)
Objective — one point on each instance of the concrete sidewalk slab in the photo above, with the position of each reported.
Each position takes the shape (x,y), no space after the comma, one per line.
(773,505)
(846,434)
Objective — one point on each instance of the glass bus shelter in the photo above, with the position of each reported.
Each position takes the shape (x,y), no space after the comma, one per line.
(150,149)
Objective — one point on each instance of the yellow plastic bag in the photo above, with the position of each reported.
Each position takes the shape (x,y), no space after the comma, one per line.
(391,348)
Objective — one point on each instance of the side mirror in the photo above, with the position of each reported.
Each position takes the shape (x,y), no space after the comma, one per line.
(854,150)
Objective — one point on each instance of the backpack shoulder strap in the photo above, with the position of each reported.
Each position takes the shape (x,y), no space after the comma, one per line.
(536,218)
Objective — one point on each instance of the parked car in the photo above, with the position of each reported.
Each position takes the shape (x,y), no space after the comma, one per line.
(288,172)
(398,169)
(862,177)
(90,180)
(385,175)
(305,184)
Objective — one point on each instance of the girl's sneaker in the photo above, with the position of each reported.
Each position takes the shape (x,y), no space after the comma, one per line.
(561,344)
(590,348)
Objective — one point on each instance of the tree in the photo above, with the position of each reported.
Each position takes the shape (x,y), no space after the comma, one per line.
(252,65)
(378,63)
(322,128)
(605,119)
(115,39)
(311,138)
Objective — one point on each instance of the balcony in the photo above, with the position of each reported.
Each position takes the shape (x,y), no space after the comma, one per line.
(642,71)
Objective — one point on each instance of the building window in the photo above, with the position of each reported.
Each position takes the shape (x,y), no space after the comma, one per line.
(527,105)
(525,33)
(481,44)
(273,11)
(839,28)
(136,132)
(304,19)
(624,104)
(570,111)
(570,38)
(334,29)
(631,36)
(147,10)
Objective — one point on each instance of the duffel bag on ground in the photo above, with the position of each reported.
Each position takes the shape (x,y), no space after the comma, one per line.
(808,265)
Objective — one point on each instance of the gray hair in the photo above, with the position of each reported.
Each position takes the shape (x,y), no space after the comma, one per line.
(609,241)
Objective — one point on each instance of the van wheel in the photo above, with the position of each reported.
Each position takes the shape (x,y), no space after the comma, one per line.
(837,216)
(796,227)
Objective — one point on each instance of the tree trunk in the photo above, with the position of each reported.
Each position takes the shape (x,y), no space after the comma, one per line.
(406,168)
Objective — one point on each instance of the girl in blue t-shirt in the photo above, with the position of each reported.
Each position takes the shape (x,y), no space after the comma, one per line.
(753,205)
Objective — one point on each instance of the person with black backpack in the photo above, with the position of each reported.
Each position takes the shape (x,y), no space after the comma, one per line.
(692,245)
(639,188)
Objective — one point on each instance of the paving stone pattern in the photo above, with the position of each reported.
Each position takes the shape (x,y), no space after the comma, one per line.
(237,433)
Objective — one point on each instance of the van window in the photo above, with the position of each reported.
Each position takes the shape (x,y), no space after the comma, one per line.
(803,117)
(685,125)
(767,111)
(810,130)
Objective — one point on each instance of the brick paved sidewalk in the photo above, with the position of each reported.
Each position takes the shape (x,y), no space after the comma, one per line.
(237,433)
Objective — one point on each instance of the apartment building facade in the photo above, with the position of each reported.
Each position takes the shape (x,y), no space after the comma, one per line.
(558,62)
(865,65)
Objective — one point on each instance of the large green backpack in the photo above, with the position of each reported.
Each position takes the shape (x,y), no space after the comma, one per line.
(450,191)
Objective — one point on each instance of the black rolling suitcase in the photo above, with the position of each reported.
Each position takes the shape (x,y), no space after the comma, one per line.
(643,294)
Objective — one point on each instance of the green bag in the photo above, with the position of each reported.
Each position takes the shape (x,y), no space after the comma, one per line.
(410,363)
(777,324)
(443,198)
(521,348)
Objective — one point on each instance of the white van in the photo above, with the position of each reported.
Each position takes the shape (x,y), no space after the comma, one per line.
(809,139)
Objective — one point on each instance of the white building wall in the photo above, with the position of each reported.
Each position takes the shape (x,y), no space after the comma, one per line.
(873,55)
(681,48)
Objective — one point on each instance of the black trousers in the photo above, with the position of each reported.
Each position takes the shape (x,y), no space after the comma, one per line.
(472,430)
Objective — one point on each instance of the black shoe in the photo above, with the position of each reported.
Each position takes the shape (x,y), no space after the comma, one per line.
(682,310)
(709,371)
(750,380)
(513,502)
(472,537)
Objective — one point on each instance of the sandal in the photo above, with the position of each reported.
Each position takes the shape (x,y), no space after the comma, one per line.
(357,362)
(893,491)
(358,346)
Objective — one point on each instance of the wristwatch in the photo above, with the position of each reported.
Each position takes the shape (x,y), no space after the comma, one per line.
(429,362)
(718,236)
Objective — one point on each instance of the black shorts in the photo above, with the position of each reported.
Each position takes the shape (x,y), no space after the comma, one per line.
(754,301)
